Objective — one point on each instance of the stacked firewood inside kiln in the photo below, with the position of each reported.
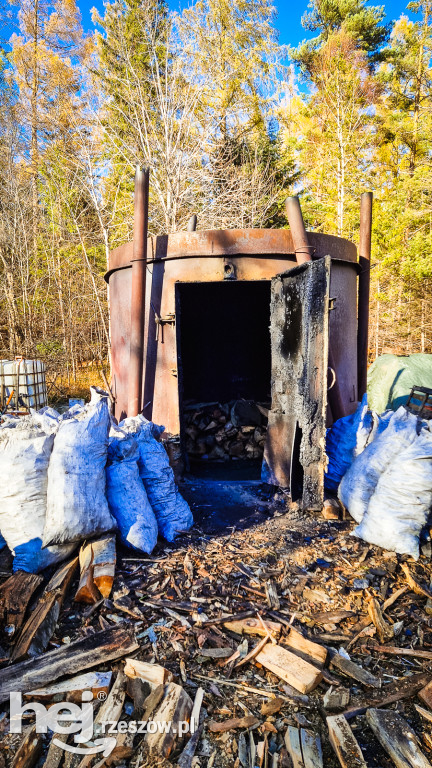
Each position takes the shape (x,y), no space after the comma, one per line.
(225,431)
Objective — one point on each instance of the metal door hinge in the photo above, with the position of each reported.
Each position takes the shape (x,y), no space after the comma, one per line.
(161,321)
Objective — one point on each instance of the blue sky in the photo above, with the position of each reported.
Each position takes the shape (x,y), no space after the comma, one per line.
(288,21)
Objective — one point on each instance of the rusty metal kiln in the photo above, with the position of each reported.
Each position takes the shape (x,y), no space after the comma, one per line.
(202,316)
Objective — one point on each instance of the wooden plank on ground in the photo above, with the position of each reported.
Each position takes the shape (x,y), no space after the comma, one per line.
(350,669)
(73,688)
(293,745)
(311,749)
(309,651)
(91,651)
(55,753)
(253,626)
(344,743)
(397,738)
(175,708)
(15,595)
(154,674)
(39,627)
(400,689)
(29,750)
(304,677)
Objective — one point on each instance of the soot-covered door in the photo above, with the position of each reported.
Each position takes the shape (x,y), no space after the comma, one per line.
(295,447)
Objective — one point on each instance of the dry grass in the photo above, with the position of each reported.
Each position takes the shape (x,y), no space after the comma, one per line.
(61,388)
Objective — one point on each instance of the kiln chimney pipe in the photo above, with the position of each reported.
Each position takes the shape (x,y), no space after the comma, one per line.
(364,290)
(303,252)
(139,267)
(192,223)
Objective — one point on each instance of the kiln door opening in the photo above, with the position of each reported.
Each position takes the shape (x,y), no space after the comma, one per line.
(224,368)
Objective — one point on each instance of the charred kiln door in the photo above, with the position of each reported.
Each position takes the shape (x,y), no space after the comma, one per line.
(295,447)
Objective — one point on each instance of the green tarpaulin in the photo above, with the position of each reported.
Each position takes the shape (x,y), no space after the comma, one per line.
(391,377)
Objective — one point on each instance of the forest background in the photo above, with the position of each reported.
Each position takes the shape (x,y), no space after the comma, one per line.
(230,121)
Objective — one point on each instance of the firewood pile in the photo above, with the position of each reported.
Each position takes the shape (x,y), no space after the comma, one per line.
(225,431)
(288,644)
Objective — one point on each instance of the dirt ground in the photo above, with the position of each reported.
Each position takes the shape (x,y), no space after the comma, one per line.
(249,551)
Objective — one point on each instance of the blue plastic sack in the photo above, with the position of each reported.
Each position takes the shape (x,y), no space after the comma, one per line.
(341,443)
(127,497)
(25,451)
(400,505)
(360,481)
(172,512)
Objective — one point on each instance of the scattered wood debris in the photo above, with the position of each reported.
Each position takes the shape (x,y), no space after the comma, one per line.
(288,644)
(345,743)
(397,738)
(97,565)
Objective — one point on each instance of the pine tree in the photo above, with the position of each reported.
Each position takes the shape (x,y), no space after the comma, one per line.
(362,23)
(50,34)
(233,56)
(404,179)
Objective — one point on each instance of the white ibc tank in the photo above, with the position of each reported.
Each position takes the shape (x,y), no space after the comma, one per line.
(22,385)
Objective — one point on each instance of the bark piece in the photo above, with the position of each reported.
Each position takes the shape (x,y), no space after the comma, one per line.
(153,674)
(152,701)
(73,688)
(175,708)
(252,626)
(419,589)
(424,713)
(397,738)
(336,698)
(215,653)
(331,617)
(186,757)
(272,706)
(92,650)
(29,750)
(350,669)
(233,724)
(344,743)
(302,675)
(395,651)
(97,567)
(306,649)
(40,626)
(15,595)
(401,689)
(426,695)
(272,595)
(385,631)
(253,653)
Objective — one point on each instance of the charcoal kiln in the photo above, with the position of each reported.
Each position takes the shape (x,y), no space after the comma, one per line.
(245,344)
